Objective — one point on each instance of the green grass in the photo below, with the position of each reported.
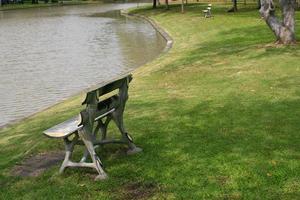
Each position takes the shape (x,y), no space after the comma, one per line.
(218,117)
(42,4)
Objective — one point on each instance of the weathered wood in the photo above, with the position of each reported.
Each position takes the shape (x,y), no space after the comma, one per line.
(69,147)
(108,87)
(284,30)
(68,127)
(104,83)
(87,136)
(96,111)
(64,129)
(117,117)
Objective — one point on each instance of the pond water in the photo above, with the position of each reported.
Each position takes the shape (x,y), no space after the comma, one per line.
(49,54)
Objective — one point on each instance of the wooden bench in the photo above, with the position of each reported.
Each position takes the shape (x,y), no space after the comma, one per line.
(207,11)
(89,128)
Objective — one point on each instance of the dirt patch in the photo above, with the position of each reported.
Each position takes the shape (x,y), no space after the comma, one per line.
(222,180)
(138,191)
(37,164)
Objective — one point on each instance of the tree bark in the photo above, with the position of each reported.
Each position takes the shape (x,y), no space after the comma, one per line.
(154,4)
(284,30)
(258,4)
(234,6)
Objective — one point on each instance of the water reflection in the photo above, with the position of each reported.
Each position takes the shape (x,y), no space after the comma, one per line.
(49,54)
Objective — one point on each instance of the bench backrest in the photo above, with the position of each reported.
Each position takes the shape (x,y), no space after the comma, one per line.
(96,109)
(105,89)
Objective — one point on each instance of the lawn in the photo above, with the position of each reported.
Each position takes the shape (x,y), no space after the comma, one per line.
(218,117)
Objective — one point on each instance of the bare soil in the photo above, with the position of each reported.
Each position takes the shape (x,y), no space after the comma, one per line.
(138,191)
(37,164)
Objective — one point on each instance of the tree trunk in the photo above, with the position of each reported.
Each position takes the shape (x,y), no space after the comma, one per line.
(154,4)
(167,4)
(285,30)
(234,6)
(258,4)
(182,6)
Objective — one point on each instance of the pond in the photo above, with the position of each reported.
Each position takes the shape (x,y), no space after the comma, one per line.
(49,54)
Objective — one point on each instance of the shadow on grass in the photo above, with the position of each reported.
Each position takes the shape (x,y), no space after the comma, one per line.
(245,44)
(240,146)
(239,141)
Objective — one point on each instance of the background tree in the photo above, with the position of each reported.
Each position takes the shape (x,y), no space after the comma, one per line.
(234,6)
(167,4)
(154,4)
(284,29)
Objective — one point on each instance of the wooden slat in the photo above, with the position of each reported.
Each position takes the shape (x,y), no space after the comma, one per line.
(104,83)
(104,114)
(63,129)
(68,127)
(109,102)
(111,86)
(105,107)
(108,87)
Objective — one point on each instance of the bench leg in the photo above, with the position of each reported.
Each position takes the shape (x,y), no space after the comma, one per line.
(69,147)
(88,139)
(86,153)
(117,117)
(102,127)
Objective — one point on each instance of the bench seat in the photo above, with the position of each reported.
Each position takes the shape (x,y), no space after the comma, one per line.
(70,126)
(64,129)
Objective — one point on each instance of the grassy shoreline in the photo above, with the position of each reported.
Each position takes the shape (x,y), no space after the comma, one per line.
(217,117)
(43,5)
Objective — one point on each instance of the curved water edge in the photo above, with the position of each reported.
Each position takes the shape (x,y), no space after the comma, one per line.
(158,28)
(166,47)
